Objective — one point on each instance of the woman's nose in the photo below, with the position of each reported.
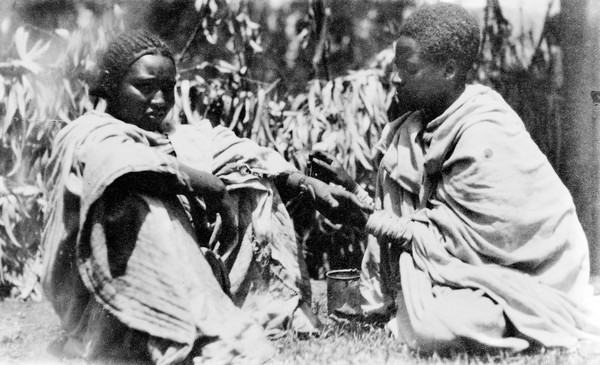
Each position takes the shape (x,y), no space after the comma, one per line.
(396,79)
(158,98)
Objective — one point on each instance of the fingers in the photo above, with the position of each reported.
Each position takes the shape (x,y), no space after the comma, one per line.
(328,198)
(353,200)
(362,205)
(357,202)
(321,155)
(310,190)
(331,201)
(366,208)
(321,164)
(322,171)
(227,231)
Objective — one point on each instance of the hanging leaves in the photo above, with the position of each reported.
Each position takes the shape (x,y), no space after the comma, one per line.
(343,116)
(32,101)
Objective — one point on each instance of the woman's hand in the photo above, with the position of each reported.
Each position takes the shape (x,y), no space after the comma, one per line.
(340,206)
(218,202)
(222,209)
(332,201)
(327,168)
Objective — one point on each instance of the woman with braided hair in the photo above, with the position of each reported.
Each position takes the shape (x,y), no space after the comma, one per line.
(170,244)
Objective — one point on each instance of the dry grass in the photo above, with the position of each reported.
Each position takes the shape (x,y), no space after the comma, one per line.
(345,343)
(28,328)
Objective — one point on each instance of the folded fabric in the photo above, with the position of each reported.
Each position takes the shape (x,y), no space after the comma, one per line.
(148,270)
(489,215)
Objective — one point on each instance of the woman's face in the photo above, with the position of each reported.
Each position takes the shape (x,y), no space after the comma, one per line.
(420,84)
(146,93)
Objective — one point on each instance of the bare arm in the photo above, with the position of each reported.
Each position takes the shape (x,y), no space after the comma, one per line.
(332,201)
(152,182)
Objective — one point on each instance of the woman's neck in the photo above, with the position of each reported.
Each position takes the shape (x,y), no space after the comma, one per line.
(439,108)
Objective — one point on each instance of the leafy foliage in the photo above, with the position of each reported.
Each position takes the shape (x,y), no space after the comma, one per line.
(34,104)
(340,115)
(528,74)
(23,139)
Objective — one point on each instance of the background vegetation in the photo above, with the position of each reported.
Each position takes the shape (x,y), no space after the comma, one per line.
(307,75)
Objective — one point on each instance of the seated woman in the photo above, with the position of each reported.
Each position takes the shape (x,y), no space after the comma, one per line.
(130,261)
(477,244)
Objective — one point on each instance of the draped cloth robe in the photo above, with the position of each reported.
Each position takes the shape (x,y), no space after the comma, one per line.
(147,284)
(482,244)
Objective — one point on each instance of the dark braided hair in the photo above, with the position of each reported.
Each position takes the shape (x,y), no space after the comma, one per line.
(121,52)
(444,31)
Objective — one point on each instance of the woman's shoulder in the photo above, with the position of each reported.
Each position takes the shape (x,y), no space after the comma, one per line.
(206,131)
(90,119)
(95,117)
(87,125)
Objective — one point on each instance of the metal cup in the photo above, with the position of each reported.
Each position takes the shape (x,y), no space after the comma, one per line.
(343,293)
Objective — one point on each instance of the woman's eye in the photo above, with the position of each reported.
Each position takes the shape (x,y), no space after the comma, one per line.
(145,88)
(169,88)
(406,69)
(411,69)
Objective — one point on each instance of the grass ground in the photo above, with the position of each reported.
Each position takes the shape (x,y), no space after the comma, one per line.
(28,328)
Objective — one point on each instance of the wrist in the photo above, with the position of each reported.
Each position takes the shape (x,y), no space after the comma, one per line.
(371,225)
(295,180)
(361,222)
(350,186)
(363,196)
(387,226)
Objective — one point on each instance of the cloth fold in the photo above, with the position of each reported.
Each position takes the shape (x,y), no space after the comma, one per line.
(490,216)
(267,270)
(148,270)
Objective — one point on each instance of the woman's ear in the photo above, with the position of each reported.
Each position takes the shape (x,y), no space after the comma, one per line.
(98,83)
(451,69)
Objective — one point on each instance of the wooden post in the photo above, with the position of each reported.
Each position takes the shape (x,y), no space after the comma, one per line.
(579,163)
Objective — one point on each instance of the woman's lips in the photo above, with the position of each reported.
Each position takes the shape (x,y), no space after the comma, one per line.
(156,114)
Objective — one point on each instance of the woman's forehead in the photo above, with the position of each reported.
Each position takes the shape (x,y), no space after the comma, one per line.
(406,45)
(153,66)
(406,50)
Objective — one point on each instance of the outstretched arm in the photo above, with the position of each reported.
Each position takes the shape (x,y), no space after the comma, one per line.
(332,201)
(159,183)
(195,182)
(325,167)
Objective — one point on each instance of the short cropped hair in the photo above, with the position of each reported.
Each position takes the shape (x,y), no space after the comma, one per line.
(122,51)
(444,31)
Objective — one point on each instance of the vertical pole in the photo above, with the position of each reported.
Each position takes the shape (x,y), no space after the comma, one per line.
(579,163)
